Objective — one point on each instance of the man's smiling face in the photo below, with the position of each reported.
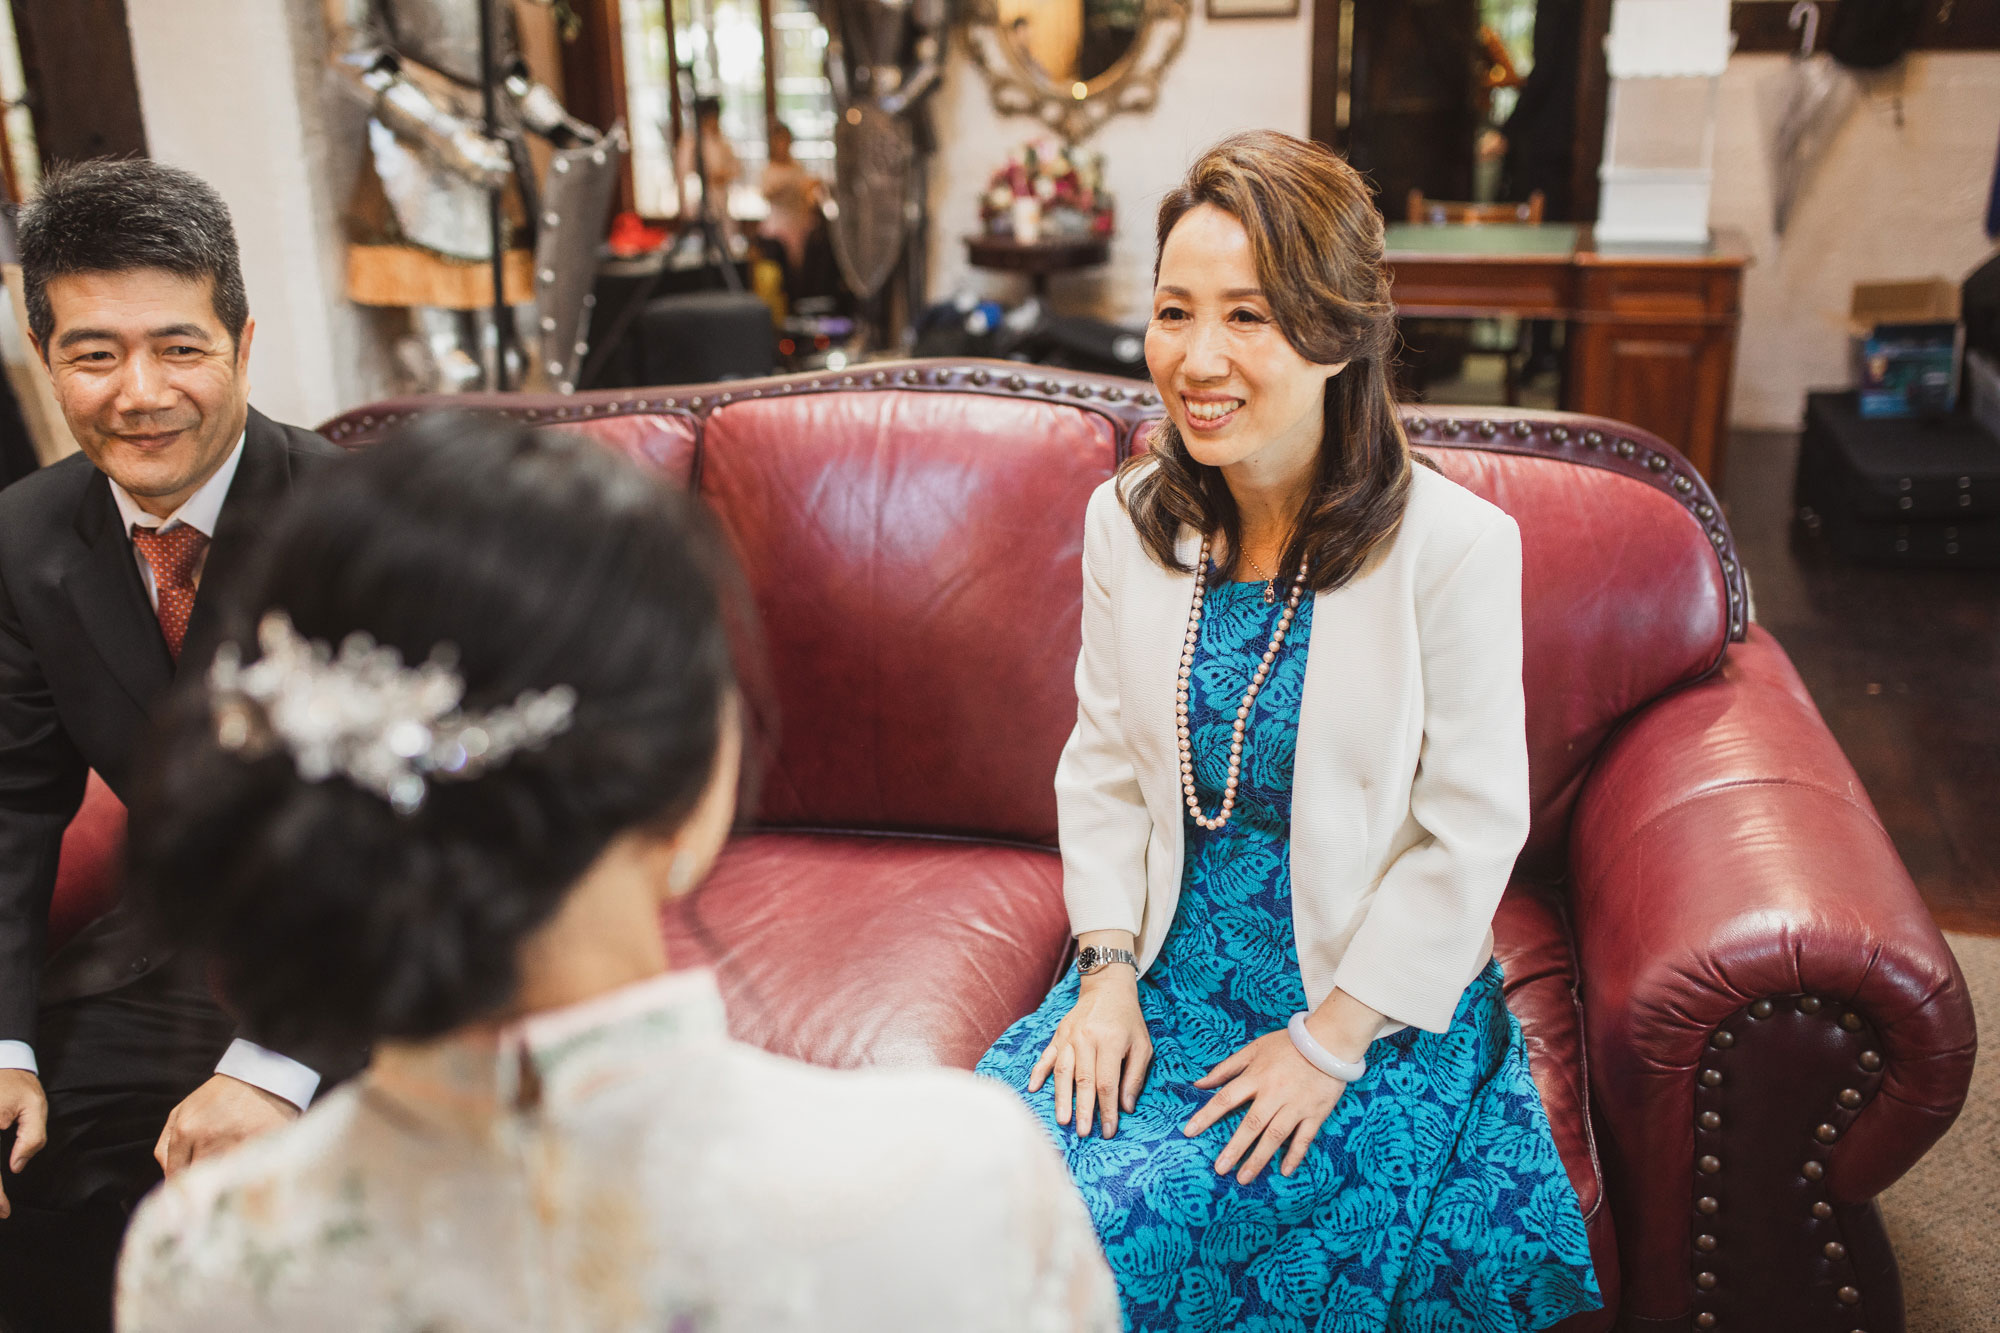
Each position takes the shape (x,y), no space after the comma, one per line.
(152,385)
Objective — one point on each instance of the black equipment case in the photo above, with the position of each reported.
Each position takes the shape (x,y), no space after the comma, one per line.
(1920,492)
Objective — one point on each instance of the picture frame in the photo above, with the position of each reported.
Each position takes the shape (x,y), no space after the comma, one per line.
(1252,9)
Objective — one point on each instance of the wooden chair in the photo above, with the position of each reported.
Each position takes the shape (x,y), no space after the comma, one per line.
(1461,213)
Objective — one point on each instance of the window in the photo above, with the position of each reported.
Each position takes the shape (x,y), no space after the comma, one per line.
(723,43)
(23,165)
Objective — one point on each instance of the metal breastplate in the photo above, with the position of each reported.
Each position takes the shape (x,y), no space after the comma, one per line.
(444,34)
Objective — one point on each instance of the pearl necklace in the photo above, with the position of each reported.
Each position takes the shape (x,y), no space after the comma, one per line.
(1221,816)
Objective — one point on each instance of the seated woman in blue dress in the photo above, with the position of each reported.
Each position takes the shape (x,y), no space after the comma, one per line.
(1294,795)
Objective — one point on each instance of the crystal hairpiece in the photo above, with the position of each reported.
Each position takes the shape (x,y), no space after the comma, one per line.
(364,716)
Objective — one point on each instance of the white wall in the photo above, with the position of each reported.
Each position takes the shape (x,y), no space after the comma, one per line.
(236,92)
(1233,75)
(1901,194)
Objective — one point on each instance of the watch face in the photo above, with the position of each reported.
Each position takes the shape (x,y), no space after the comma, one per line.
(1086,958)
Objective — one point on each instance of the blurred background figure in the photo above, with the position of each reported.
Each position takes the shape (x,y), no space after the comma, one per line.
(794,195)
(707,168)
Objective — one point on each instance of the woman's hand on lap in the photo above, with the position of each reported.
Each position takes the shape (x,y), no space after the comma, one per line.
(1100,1052)
(1288,1100)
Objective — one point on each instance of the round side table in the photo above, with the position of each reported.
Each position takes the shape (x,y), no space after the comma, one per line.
(1039,260)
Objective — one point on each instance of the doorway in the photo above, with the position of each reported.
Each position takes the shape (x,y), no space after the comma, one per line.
(1465,99)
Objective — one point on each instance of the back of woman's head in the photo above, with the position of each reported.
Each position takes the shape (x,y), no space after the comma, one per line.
(536,565)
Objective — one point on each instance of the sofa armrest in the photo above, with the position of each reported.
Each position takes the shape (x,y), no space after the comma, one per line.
(1777,1029)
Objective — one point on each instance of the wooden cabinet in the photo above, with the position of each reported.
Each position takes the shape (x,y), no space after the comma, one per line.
(1652,341)
(1652,332)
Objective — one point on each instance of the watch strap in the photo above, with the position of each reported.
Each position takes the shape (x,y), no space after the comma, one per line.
(1091,959)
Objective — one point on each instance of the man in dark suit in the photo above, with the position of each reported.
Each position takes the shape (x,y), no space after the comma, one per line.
(115,1062)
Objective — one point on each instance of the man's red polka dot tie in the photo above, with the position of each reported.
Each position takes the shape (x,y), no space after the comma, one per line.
(174,555)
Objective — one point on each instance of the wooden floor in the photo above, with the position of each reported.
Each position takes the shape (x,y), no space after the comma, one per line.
(1905,666)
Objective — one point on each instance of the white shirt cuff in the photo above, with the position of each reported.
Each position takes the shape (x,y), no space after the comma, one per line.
(250,1063)
(19,1055)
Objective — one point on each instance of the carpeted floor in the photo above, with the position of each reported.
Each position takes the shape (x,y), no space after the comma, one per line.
(1942,1216)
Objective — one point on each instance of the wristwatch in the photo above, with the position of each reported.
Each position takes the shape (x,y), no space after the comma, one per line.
(1091,959)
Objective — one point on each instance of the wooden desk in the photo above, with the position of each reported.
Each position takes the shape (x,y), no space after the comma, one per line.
(1652,330)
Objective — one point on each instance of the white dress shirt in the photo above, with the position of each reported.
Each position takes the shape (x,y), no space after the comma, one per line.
(1410,787)
(244,1060)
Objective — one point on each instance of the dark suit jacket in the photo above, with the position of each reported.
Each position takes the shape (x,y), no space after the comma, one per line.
(82,664)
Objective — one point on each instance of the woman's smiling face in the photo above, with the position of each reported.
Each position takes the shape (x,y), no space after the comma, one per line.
(1243,397)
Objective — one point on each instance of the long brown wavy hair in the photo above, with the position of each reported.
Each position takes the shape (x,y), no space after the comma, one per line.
(1317,240)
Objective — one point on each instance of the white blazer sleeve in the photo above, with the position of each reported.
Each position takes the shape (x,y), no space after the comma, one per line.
(1427,925)
(1101,816)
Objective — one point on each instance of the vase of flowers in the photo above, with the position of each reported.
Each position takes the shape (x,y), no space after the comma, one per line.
(1047,188)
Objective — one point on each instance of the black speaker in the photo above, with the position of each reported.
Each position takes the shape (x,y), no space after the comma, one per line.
(696,337)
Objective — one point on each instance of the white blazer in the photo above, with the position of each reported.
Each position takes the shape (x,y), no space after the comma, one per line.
(1410,789)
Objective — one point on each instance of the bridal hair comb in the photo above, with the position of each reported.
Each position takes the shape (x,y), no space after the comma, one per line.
(364,716)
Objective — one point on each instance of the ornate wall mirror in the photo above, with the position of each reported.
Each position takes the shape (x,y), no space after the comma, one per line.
(1074,64)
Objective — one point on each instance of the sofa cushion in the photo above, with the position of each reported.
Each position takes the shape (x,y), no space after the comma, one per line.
(844,950)
(916,560)
(1531,939)
(87,878)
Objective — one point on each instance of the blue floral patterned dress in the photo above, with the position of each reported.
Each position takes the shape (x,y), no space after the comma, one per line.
(1433,1200)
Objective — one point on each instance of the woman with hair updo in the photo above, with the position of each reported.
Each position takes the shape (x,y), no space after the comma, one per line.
(1282,1070)
(476,724)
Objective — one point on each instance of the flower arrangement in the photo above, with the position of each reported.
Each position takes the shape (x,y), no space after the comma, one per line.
(1048,188)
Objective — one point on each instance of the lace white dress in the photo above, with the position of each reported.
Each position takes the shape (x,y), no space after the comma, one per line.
(624,1165)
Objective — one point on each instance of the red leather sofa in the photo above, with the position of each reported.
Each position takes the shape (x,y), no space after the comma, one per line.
(1742,1019)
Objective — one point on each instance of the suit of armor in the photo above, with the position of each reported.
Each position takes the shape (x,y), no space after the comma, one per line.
(883,58)
(421,226)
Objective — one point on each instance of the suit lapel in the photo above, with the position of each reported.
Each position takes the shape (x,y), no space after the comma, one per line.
(263,480)
(103,584)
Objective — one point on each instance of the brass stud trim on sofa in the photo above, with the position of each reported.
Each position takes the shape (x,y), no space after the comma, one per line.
(1526,433)
(1761,1009)
(1848,1296)
(1711,1078)
(1826,1133)
(1708,1164)
(1709,1120)
(1871,1061)
(1708,1205)
(1723,1039)
(1850,1097)
(1705,1243)
(1814,1171)
(1705,1280)
(1822,1210)
(1809,1004)
(1834,1250)
(1851,1021)
(1706,1319)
